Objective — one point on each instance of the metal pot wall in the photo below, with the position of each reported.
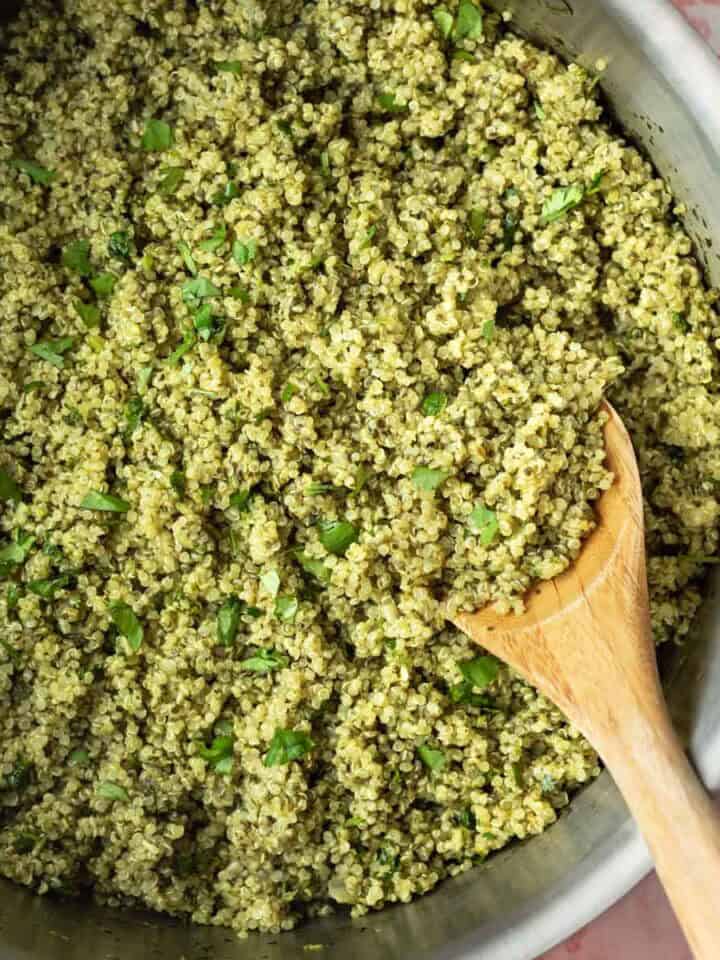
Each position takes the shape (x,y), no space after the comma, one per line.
(664,88)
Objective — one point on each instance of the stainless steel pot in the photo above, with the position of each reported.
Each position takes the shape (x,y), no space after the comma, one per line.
(664,87)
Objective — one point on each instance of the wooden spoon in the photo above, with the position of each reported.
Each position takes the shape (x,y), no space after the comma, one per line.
(585,641)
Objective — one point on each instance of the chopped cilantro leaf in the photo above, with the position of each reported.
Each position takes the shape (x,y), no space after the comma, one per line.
(244,251)
(52,350)
(37,174)
(125,619)
(434,403)
(104,502)
(286,608)
(433,759)
(172,177)
(9,490)
(485,523)
(119,245)
(337,536)
(158,136)
(89,313)
(264,661)
(111,791)
(228,621)
(103,284)
(429,479)
(76,257)
(287,745)
(480,671)
(560,202)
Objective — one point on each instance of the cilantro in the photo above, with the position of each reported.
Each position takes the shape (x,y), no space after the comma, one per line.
(244,251)
(369,237)
(24,843)
(104,502)
(264,661)
(271,582)
(315,568)
(37,174)
(219,755)
(466,818)
(362,475)
(389,104)
(488,329)
(477,221)
(288,392)
(205,323)
(89,313)
(228,621)
(318,489)
(596,183)
(34,385)
(428,479)
(538,110)
(145,375)
(444,21)
(240,500)
(79,758)
(285,127)
(103,284)
(172,177)
(561,201)
(228,66)
(325,163)
(187,257)
(48,588)
(216,240)
(680,322)
(434,403)
(198,289)
(111,791)
(463,55)
(485,523)
(510,227)
(185,346)
(158,136)
(433,759)
(177,482)
(469,22)
(52,350)
(222,198)
(480,671)
(337,536)
(20,777)
(127,623)
(287,745)
(12,598)
(16,552)
(119,245)
(9,490)
(286,608)
(239,293)
(76,257)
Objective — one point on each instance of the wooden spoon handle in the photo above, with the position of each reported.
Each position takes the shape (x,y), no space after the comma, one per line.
(679,821)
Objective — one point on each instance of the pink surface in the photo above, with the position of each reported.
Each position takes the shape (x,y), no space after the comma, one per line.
(641,926)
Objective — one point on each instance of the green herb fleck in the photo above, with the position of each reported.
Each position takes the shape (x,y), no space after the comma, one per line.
(538,110)
(434,403)
(488,329)
(177,482)
(369,237)
(125,619)
(172,177)
(264,661)
(240,500)
(680,323)
(433,759)
(158,136)
(288,392)
(219,754)
(34,385)
(316,568)
(480,671)
(444,21)
(477,221)
(287,745)
(187,257)
(89,313)
(223,197)
(485,523)
(76,257)
(79,758)
(37,174)
(337,536)
(104,502)
(389,104)
(198,289)
(429,479)
(561,201)
(9,490)
(244,251)
(286,608)
(119,245)
(271,582)
(228,621)
(103,284)
(469,22)
(111,791)
(48,588)
(52,350)
(215,240)
(595,184)
(185,346)
(24,843)
(228,66)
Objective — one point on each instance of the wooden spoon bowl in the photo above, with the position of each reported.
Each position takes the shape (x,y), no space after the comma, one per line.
(585,642)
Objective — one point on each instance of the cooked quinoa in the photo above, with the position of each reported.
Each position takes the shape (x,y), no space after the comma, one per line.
(307,312)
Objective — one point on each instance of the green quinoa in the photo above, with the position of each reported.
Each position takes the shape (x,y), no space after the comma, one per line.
(307,313)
